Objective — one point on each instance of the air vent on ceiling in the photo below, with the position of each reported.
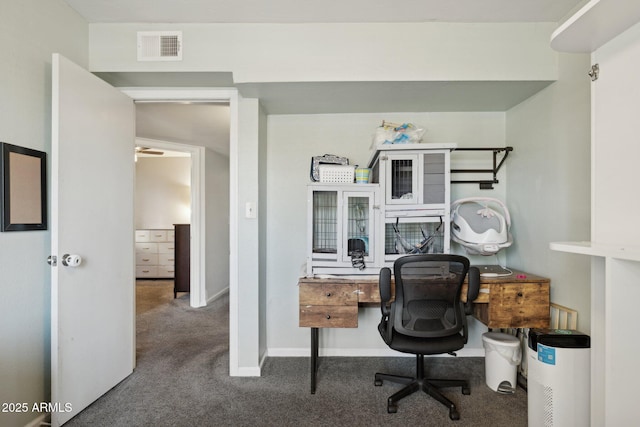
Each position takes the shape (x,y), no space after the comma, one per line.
(159,45)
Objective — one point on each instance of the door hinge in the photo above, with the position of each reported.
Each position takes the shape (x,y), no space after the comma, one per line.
(594,72)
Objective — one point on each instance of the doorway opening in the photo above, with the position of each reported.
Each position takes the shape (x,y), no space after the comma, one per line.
(162,217)
(173,139)
(207,166)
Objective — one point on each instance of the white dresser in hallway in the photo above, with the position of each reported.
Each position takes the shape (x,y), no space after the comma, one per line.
(155,257)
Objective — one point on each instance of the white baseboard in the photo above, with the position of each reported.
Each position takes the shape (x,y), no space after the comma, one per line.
(42,419)
(248,372)
(362,352)
(342,352)
(263,359)
(220,294)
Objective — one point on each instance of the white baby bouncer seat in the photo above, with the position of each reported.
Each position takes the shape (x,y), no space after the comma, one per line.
(478,227)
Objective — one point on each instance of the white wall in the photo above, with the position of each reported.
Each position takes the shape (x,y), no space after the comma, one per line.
(292,141)
(341,52)
(163,192)
(614,285)
(549,183)
(30,31)
(248,238)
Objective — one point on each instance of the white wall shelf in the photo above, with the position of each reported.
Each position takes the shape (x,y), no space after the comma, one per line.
(629,253)
(593,25)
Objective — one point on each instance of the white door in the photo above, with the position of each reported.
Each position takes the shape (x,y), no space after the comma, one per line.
(92,305)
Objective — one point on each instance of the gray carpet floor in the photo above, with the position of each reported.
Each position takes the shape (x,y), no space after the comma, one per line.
(182,379)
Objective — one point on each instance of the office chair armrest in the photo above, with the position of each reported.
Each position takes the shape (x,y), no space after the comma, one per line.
(473,288)
(384,283)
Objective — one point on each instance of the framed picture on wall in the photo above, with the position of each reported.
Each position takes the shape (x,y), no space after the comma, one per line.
(23,173)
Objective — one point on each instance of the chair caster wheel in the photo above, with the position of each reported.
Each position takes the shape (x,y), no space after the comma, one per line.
(466,391)
(392,408)
(378,383)
(454,415)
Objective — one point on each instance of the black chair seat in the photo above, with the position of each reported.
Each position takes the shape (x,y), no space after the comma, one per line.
(413,345)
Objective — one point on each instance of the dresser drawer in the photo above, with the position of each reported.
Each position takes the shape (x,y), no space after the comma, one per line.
(166,271)
(142,235)
(146,248)
(329,294)
(328,316)
(146,259)
(158,235)
(166,248)
(171,235)
(146,271)
(166,259)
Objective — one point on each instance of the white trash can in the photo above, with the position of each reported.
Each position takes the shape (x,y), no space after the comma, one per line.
(502,357)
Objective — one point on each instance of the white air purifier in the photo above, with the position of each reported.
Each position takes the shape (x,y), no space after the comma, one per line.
(558,379)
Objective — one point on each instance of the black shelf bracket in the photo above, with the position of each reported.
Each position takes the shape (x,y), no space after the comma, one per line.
(485,184)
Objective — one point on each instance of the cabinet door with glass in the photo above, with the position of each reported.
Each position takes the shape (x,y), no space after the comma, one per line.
(401,184)
(415,179)
(341,231)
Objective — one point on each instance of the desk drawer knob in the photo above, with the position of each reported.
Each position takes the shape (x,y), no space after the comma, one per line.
(328,294)
(328,316)
(520,294)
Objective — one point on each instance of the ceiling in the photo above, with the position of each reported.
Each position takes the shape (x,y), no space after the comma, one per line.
(203,124)
(194,124)
(305,11)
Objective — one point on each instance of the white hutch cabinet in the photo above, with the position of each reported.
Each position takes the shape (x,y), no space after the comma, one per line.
(416,182)
(343,218)
(405,209)
(414,176)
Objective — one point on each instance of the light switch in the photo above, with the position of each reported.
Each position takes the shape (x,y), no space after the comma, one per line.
(250,210)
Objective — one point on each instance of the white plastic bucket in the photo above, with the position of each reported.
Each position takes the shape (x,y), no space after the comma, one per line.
(502,357)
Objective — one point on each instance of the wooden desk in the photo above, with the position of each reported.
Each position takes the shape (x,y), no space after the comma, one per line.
(520,300)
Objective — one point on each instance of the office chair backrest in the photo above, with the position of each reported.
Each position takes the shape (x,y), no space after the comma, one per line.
(427,302)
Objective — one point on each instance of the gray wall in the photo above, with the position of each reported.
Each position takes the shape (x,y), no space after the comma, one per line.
(549,183)
(292,141)
(216,224)
(30,30)
(483,52)
(263,223)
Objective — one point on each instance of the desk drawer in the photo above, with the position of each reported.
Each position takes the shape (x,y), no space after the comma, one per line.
(338,294)
(328,316)
(517,305)
(369,292)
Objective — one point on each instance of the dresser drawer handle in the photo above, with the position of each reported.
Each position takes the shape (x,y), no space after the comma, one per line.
(520,294)
(328,316)
(328,294)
